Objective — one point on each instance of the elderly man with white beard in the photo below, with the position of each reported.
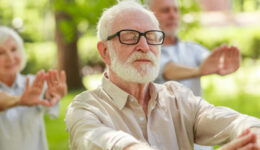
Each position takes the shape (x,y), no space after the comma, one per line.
(129,112)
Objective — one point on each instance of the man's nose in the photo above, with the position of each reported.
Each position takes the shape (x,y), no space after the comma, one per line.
(173,14)
(143,45)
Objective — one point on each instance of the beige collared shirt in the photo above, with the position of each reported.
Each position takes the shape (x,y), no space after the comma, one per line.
(109,118)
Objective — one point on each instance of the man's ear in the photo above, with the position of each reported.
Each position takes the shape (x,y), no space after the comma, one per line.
(103,52)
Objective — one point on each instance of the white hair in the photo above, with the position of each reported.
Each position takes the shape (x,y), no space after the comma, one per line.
(5,33)
(106,21)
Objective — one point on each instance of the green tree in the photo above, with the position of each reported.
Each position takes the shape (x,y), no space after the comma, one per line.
(73,18)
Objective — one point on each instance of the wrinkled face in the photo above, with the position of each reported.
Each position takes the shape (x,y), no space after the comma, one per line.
(167,13)
(139,62)
(10,58)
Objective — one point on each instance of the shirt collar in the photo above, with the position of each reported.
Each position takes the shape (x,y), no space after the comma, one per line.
(119,96)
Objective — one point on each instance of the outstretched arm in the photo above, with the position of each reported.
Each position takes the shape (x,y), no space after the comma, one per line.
(30,96)
(223,60)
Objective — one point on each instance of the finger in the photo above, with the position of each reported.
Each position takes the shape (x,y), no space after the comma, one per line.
(27,82)
(51,78)
(55,77)
(238,143)
(245,132)
(217,52)
(250,146)
(237,57)
(39,80)
(48,79)
(44,103)
(63,76)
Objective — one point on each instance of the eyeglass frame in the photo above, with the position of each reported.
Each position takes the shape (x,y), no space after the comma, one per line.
(139,37)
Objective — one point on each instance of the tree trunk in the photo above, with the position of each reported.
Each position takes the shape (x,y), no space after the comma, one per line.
(67,52)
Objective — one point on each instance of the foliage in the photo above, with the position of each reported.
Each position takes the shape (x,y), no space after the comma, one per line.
(40,56)
(245,5)
(31,18)
(83,14)
(247,39)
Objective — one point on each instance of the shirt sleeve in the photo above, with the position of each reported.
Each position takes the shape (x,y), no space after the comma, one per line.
(219,125)
(199,52)
(87,131)
(211,125)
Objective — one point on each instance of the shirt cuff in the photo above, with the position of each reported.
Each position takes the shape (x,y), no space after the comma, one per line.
(124,141)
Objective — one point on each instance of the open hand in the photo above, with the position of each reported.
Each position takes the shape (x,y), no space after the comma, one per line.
(31,95)
(222,60)
(57,87)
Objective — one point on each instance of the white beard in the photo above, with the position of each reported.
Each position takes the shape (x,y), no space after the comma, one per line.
(143,73)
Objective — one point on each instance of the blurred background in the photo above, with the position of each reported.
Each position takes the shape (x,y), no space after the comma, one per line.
(62,34)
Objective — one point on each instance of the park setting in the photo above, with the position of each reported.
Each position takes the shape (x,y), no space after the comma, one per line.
(61,34)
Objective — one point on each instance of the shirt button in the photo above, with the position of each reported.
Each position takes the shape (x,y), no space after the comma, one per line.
(141,118)
(131,99)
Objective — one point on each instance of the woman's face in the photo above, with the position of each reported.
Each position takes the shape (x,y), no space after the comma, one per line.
(10,58)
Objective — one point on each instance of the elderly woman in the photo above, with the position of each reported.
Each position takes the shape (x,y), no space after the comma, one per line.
(22,127)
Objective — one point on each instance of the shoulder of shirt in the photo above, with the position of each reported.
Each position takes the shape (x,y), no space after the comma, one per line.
(194,45)
(86,96)
(171,85)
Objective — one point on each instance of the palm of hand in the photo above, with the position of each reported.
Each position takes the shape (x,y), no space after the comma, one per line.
(57,87)
(222,60)
(32,93)
(31,96)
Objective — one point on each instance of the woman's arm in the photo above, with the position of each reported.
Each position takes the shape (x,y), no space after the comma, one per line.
(30,96)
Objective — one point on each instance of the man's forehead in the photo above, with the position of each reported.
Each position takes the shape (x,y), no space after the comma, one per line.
(161,3)
(133,19)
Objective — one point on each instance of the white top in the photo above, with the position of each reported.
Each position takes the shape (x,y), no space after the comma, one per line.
(22,127)
(187,54)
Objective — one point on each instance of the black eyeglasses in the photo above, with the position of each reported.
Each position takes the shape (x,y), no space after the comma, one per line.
(132,37)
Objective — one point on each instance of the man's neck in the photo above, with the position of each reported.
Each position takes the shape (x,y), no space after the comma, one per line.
(139,90)
(170,40)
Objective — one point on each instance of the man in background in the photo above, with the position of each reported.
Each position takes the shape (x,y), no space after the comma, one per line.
(186,62)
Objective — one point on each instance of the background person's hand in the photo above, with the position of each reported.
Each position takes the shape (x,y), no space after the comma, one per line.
(31,94)
(246,141)
(222,60)
(230,61)
(57,87)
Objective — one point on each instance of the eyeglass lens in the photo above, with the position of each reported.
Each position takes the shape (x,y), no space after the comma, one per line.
(132,37)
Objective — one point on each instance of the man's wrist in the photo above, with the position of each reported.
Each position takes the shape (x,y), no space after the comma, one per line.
(196,72)
(138,146)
